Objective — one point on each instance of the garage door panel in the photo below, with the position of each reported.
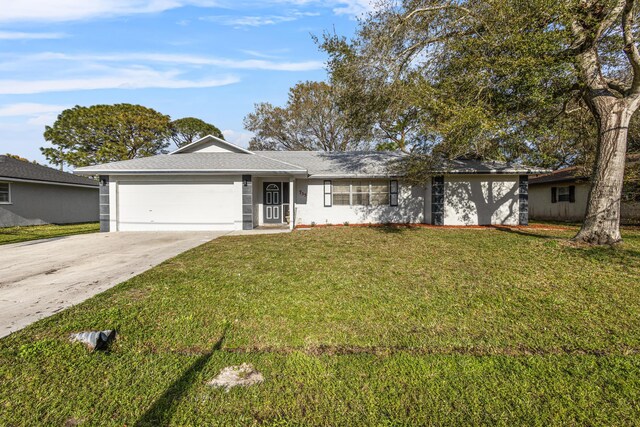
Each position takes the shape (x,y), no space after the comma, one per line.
(184,206)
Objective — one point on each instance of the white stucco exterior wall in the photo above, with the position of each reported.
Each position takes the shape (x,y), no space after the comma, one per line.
(481,200)
(309,198)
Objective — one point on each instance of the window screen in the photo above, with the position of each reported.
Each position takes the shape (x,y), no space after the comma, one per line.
(342,193)
(379,193)
(360,193)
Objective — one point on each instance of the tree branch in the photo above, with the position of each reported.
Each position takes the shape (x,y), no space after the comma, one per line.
(630,48)
(436,8)
(618,86)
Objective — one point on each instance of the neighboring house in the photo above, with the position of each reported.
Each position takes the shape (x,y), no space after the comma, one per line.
(562,195)
(31,194)
(214,185)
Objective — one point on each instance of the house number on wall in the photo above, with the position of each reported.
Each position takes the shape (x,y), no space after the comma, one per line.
(302,193)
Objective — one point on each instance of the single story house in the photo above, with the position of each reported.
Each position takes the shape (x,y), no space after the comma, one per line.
(562,195)
(212,184)
(32,194)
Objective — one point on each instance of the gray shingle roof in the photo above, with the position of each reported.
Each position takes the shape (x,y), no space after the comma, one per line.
(195,162)
(461,166)
(312,163)
(374,163)
(11,168)
(328,164)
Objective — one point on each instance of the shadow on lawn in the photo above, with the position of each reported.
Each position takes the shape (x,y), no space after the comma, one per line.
(161,412)
(526,232)
(394,228)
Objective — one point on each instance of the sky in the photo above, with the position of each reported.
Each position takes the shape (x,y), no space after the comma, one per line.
(210,59)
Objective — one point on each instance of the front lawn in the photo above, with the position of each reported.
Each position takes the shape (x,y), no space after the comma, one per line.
(349,326)
(35,232)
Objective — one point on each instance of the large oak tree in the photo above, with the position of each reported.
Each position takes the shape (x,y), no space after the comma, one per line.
(508,79)
(311,120)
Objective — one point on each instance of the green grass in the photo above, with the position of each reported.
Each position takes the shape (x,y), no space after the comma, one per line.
(350,326)
(34,232)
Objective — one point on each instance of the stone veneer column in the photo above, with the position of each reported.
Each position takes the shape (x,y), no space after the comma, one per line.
(437,200)
(523,199)
(104,203)
(247,203)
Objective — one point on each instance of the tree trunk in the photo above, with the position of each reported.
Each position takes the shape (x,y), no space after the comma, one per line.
(601,224)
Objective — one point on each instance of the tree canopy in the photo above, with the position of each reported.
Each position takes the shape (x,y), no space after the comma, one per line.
(311,120)
(189,129)
(83,136)
(539,81)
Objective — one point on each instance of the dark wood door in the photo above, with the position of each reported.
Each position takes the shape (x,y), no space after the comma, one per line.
(272,203)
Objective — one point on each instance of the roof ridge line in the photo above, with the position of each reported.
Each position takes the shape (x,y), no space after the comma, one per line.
(280,161)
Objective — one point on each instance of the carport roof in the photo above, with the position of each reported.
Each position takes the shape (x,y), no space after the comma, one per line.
(20,170)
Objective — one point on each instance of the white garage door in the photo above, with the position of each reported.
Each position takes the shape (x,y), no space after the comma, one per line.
(157,206)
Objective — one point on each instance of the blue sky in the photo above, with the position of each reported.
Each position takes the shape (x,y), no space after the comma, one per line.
(211,59)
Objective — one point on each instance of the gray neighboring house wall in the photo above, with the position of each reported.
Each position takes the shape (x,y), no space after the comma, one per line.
(562,196)
(32,194)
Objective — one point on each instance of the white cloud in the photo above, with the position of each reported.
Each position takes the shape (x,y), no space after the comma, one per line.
(29,109)
(77,10)
(18,35)
(354,7)
(257,20)
(37,115)
(249,21)
(265,55)
(134,78)
(74,10)
(42,120)
(177,60)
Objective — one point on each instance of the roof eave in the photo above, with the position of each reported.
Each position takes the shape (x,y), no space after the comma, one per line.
(40,181)
(86,171)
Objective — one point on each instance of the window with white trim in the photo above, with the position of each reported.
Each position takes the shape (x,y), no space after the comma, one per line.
(342,193)
(5,192)
(379,193)
(362,193)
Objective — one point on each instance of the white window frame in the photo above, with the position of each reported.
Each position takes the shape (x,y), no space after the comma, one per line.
(328,193)
(8,202)
(361,182)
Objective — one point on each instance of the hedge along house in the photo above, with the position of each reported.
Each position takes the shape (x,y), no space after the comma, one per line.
(32,194)
(211,184)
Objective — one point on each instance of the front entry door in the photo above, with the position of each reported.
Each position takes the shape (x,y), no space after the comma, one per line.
(272,203)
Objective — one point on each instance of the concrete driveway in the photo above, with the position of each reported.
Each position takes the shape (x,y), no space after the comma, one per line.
(41,277)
